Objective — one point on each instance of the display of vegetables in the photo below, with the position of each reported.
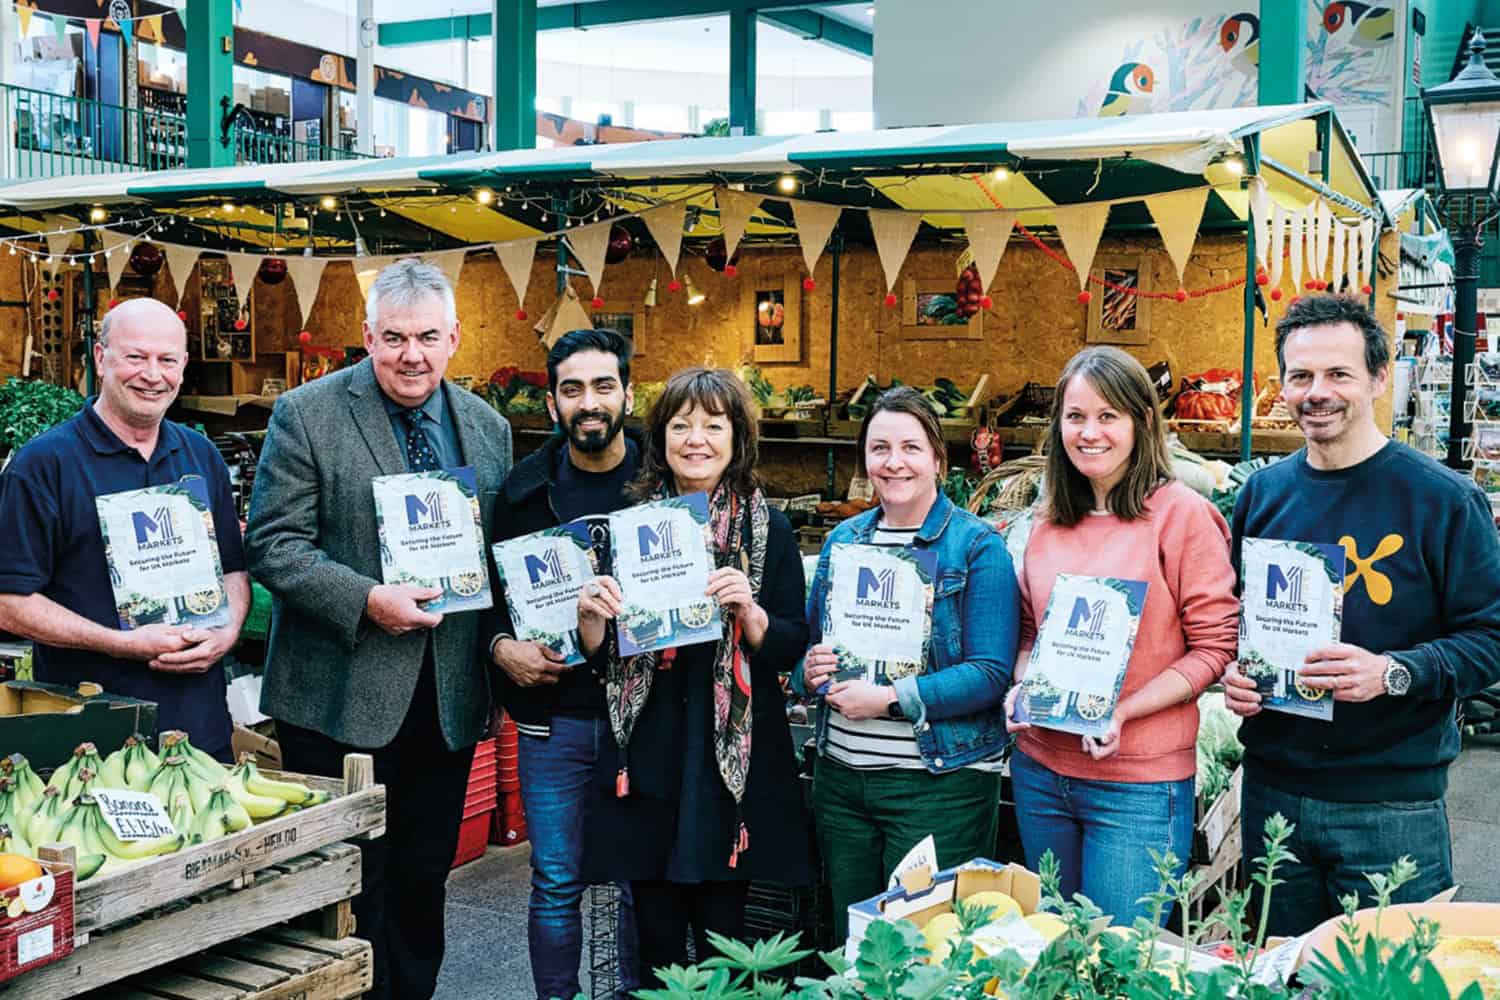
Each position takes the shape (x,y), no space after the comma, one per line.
(1210,395)
(1224,498)
(947,399)
(1219,748)
(28,407)
(512,391)
(969,294)
(766,395)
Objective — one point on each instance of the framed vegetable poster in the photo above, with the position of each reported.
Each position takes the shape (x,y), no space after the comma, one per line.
(930,311)
(1115,315)
(773,311)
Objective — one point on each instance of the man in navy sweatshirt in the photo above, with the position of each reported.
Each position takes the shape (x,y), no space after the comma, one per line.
(1421,628)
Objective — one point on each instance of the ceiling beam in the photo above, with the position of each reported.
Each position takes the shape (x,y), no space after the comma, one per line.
(799,20)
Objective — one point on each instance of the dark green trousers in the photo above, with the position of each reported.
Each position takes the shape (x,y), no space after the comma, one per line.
(868,820)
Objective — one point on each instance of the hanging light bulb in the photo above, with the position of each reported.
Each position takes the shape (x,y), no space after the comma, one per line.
(329,202)
(694,297)
(650,301)
(12,249)
(97,214)
(1235,165)
(1001,174)
(484,196)
(787,184)
(382,213)
(228,207)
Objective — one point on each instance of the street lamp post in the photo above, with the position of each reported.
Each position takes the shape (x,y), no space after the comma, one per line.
(1463,116)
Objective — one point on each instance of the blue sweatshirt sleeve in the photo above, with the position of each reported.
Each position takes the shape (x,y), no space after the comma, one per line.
(1466,658)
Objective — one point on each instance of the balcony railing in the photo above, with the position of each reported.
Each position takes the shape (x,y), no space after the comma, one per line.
(254,146)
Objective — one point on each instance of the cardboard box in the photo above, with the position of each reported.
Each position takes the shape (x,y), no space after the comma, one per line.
(922,896)
(42,930)
(1215,819)
(47,721)
(266,750)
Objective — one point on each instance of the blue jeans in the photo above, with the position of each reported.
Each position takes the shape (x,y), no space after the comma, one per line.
(1100,832)
(1336,844)
(555,778)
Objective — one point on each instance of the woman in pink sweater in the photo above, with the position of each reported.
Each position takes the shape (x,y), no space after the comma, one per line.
(1114,509)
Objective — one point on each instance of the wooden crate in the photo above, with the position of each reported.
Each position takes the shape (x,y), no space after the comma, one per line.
(320,883)
(276,964)
(1217,878)
(357,811)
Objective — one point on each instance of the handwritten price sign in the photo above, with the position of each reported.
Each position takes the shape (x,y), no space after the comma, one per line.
(134,815)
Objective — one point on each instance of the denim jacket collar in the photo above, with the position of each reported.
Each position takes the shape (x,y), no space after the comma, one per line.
(933,525)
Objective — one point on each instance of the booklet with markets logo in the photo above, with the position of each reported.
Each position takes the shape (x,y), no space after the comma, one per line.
(1291,603)
(163,555)
(878,616)
(1082,648)
(431,536)
(542,574)
(663,555)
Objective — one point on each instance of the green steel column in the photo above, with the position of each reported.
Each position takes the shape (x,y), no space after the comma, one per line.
(210,69)
(742,22)
(1283,51)
(1247,390)
(515,74)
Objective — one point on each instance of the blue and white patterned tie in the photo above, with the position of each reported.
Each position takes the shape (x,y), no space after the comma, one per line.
(419,454)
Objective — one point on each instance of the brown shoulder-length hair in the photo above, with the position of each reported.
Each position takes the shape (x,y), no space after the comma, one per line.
(904,399)
(717,391)
(1122,382)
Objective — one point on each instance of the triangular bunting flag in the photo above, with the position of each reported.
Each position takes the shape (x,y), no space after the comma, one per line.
(180,261)
(1278,242)
(517,259)
(57,248)
(152,26)
(367,269)
(1351,259)
(589,244)
(1079,227)
(567,314)
(988,233)
(894,231)
(307,276)
(242,267)
(1297,242)
(1178,216)
(735,210)
(92,25)
(116,254)
(182,16)
(1340,241)
(1321,224)
(1260,217)
(23,15)
(1367,240)
(125,31)
(451,263)
(665,225)
(814,222)
(59,26)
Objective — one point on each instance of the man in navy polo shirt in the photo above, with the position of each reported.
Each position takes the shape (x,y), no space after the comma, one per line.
(54,580)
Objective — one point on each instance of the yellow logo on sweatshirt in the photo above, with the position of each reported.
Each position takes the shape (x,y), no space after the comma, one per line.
(1377,584)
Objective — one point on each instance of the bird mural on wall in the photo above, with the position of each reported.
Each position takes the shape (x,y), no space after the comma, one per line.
(1239,37)
(1129,90)
(1360,24)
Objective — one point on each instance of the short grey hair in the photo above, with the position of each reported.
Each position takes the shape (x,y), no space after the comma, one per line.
(405,283)
(129,307)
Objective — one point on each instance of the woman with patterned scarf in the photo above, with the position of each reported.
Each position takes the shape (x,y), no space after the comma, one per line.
(697,793)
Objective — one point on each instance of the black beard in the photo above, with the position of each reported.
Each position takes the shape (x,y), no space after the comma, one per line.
(593,442)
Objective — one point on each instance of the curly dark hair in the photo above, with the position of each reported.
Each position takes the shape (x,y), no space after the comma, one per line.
(714,390)
(1322,310)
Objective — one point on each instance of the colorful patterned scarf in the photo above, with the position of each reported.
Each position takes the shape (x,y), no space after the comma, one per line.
(739,529)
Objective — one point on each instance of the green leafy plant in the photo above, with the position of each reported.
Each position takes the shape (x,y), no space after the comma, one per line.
(29,407)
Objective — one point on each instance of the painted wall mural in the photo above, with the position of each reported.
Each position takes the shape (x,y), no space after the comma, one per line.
(1351,52)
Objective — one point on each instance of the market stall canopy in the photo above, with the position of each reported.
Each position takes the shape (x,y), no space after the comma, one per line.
(1426,268)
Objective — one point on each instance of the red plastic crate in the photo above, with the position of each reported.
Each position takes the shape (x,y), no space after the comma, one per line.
(472,836)
(45,936)
(479,802)
(509,827)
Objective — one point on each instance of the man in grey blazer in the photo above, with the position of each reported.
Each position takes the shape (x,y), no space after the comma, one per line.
(354,664)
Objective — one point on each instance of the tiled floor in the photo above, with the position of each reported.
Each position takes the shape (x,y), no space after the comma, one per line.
(487,957)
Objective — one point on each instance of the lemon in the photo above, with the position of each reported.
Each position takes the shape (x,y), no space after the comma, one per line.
(941,931)
(999,903)
(1048,925)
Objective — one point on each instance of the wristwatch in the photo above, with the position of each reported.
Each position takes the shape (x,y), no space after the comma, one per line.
(1397,678)
(893,711)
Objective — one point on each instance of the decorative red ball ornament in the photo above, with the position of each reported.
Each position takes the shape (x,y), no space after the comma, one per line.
(1180,295)
(53,295)
(1085,297)
(521,315)
(113,303)
(1275,295)
(305,337)
(272,270)
(674,285)
(182,315)
(808,284)
(890,300)
(621,244)
(1401,317)
(1322,286)
(1262,278)
(985,302)
(1310,285)
(240,323)
(598,302)
(1367,289)
(730,270)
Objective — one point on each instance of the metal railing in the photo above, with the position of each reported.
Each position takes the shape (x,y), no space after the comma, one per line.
(254,146)
(1395,171)
(54,135)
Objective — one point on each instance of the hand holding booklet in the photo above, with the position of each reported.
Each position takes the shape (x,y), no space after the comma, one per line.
(1291,603)
(431,536)
(663,555)
(542,574)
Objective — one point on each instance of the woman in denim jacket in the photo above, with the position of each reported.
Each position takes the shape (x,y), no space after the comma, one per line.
(900,759)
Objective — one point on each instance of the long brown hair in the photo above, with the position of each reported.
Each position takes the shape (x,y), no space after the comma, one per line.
(714,390)
(1123,383)
(904,399)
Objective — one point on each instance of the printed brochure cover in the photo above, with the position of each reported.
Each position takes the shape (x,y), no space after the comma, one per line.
(542,574)
(163,555)
(878,615)
(1291,603)
(662,554)
(431,536)
(1082,648)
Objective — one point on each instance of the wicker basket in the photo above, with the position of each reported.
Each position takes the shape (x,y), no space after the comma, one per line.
(1012,485)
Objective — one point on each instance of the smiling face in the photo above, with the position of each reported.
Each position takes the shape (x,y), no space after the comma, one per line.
(900,461)
(410,347)
(1098,438)
(141,364)
(699,446)
(590,404)
(1327,386)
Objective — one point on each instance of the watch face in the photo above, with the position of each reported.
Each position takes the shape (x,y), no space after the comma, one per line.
(1397,679)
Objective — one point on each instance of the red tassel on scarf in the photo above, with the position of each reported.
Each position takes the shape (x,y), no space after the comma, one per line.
(622,783)
(741,843)
(667,656)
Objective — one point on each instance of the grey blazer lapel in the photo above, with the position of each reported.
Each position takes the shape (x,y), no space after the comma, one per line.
(472,439)
(366,405)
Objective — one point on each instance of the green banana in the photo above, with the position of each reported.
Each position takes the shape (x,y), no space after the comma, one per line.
(13,812)
(222,816)
(177,741)
(258,806)
(89,865)
(132,850)
(288,791)
(112,773)
(28,786)
(180,812)
(64,779)
(11,842)
(44,821)
(130,767)
(175,776)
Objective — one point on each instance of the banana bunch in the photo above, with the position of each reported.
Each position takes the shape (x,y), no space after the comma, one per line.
(28,785)
(99,850)
(181,788)
(130,767)
(11,842)
(221,816)
(13,810)
(66,778)
(290,793)
(176,741)
(44,819)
